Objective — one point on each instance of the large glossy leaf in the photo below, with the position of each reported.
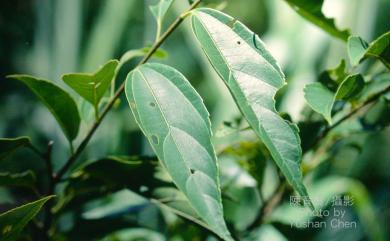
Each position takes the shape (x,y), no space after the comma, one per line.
(9,145)
(174,119)
(321,99)
(358,49)
(59,103)
(312,11)
(92,87)
(253,77)
(13,221)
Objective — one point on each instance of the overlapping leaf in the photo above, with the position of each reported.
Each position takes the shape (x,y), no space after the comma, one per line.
(59,103)
(358,49)
(13,221)
(174,119)
(321,99)
(9,145)
(24,179)
(312,11)
(253,77)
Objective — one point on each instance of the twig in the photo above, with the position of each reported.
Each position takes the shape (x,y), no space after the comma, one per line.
(269,205)
(120,90)
(48,214)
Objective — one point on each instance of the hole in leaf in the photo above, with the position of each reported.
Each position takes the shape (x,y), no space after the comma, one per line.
(152,104)
(154,139)
(238,42)
(192,171)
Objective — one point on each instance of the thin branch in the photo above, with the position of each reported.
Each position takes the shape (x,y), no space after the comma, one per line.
(48,218)
(120,90)
(269,205)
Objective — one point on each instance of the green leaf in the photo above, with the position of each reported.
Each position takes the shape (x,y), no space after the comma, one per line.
(380,48)
(9,145)
(174,119)
(253,77)
(100,177)
(92,87)
(24,179)
(59,103)
(312,11)
(356,47)
(13,221)
(350,87)
(160,9)
(332,78)
(321,99)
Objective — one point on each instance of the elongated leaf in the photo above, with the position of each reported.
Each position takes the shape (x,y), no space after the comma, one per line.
(253,77)
(312,11)
(24,179)
(358,49)
(321,99)
(160,9)
(13,221)
(9,145)
(92,87)
(172,116)
(59,103)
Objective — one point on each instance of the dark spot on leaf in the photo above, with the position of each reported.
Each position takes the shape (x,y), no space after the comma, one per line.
(192,171)
(152,104)
(238,42)
(154,139)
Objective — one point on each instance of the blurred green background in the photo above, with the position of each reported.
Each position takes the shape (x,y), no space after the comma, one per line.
(47,38)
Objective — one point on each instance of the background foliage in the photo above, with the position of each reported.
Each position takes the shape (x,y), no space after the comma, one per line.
(110,193)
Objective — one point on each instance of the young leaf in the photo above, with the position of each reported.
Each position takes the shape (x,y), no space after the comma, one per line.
(253,77)
(13,221)
(312,11)
(160,9)
(173,117)
(358,49)
(92,87)
(350,87)
(9,145)
(380,48)
(321,99)
(59,103)
(332,78)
